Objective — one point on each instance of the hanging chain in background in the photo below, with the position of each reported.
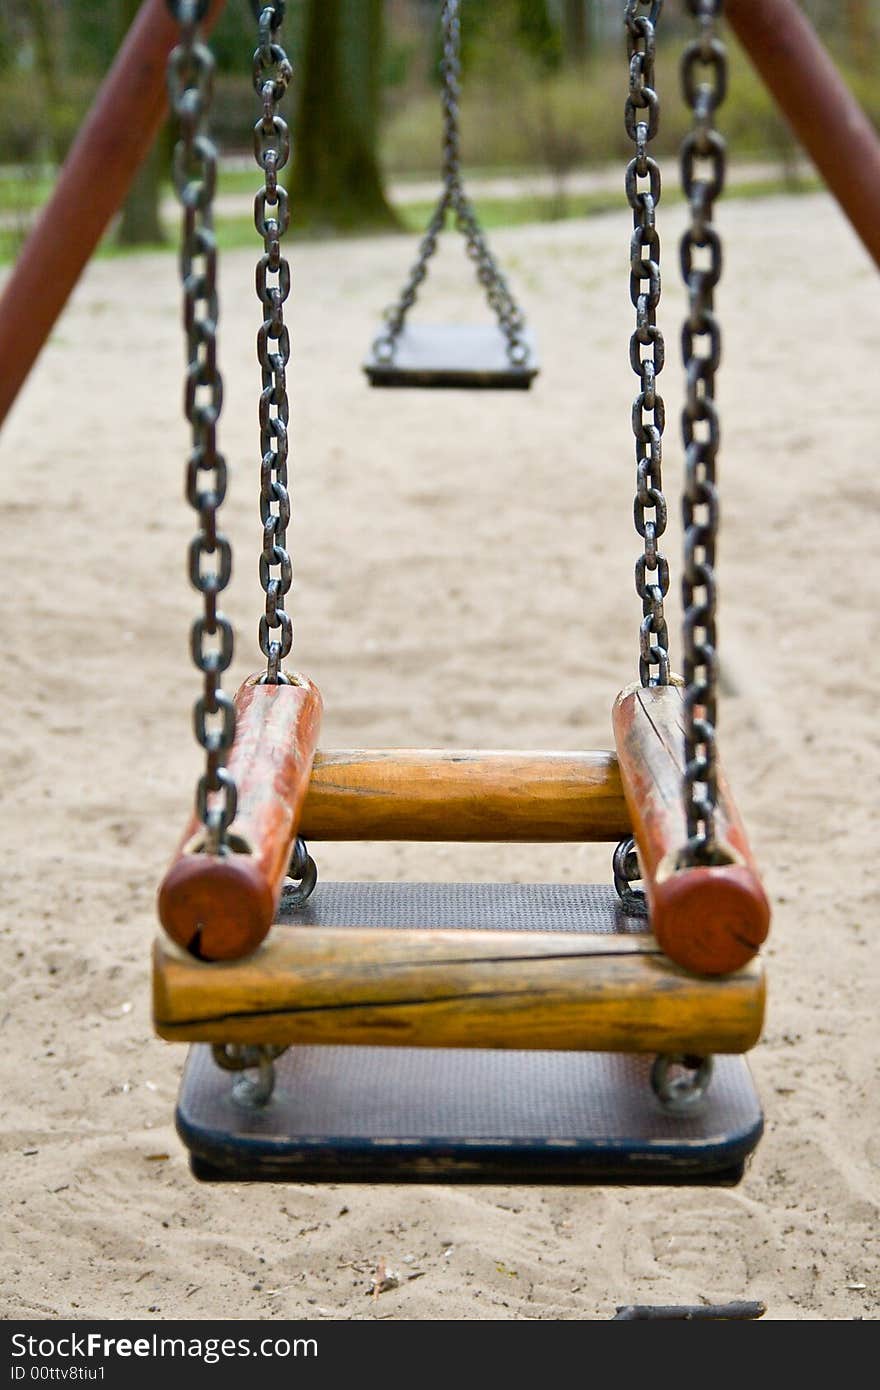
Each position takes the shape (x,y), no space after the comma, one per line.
(272,73)
(704,82)
(190,85)
(453,198)
(646,349)
(501,301)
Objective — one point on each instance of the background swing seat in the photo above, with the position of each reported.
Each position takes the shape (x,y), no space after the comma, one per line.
(359,1112)
(469,356)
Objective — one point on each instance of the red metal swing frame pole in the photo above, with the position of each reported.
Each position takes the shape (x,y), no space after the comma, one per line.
(821,110)
(112,142)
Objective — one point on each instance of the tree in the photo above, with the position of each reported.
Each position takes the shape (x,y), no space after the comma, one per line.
(575,30)
(862,38)
(336,182)
(43,23)
(141,222)
(538,34)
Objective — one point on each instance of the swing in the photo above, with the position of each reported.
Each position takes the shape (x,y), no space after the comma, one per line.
(475,356)
(461,1032)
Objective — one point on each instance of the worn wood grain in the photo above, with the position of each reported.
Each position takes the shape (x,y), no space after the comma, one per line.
(712,918)
(464,794)
(221,908)
(457,988)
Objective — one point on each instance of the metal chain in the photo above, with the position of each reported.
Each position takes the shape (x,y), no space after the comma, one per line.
(190,84)
(395,316)
(453,198)
(647,350)
(498,293)
(272,73)
(703,157)
(647,353)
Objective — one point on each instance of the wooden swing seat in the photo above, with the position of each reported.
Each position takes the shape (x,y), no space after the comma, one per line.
(468,356)
(509,1041)
(461,1032)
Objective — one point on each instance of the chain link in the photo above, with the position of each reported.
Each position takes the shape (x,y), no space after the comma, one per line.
(454,199)
(190,85)
(182,9)
(627,871)
(302,876)
(647,350)
(647,354)
(704,82)
(680,1081)
(272,73)
(255,1068)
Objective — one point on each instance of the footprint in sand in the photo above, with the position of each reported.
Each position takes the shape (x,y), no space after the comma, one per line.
(703,1238)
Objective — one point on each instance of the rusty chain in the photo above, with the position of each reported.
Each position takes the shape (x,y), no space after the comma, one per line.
(703,160)
(271,74)
(190,85)
(647,350)
(647,354)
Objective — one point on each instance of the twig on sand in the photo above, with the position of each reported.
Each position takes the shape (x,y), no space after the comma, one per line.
(687,1312)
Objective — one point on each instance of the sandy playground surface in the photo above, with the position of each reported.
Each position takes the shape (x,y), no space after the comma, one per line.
(464,577)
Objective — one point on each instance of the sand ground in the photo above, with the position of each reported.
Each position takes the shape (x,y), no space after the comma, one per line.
(464,577)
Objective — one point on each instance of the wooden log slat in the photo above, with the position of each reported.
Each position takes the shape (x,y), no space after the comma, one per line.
(461,988)
(711,919)
(465,794)
(220,908)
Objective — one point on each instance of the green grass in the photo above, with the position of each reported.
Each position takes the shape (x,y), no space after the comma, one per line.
(245,182)
(517,212)
(20,193)
(235,233)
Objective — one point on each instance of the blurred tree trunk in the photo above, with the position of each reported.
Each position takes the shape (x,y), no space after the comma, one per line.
(42,21)
(6,44)
(141,223)
(575,30)
(538,33)
(336,181)
(860,31)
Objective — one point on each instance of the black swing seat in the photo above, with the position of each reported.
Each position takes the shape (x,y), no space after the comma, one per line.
(469,356)
(362,1113)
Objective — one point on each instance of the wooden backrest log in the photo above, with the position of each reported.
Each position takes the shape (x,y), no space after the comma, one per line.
(220,908)
(713,918)
(464,794)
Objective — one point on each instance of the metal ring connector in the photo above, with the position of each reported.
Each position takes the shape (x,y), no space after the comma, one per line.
(517,353)
(302,876)
(183,10)
(253,1090)
(258,7)
(680,1081)
(625,867)
(383,349)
